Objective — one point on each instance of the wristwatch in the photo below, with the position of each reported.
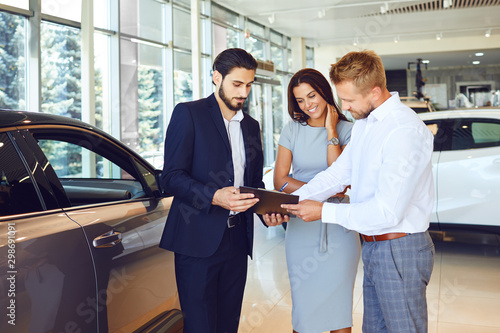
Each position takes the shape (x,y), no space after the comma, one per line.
(333,141)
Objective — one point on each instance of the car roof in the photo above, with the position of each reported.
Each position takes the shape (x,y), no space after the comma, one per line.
(467,113)
(10,118)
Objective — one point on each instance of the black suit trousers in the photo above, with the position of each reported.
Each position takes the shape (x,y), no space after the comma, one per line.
(211,288)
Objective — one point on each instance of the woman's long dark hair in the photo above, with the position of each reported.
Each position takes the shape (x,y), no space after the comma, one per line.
(319,83)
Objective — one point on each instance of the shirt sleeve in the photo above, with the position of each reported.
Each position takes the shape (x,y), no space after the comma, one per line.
(286,137)
(406,164)
(329,182)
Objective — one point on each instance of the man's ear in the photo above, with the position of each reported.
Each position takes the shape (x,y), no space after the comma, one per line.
(376,93)
(217,77)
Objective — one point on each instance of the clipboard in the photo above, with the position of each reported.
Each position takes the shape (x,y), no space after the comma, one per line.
(270,201)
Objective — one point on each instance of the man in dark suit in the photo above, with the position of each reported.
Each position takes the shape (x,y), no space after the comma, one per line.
(212,148)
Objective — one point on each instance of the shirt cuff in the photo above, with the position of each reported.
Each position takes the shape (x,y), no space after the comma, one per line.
(328,212)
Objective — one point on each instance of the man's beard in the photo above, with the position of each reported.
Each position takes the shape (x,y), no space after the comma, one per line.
(364,114)
(227,101)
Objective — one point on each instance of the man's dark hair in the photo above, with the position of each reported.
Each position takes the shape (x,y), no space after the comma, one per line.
(233,58)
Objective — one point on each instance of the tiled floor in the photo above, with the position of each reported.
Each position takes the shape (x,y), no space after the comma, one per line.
(463,295)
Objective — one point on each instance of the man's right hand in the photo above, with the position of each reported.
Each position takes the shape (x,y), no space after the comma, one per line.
(230,198)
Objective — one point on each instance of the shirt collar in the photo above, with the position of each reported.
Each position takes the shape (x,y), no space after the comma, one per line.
(237,117)
(385,108)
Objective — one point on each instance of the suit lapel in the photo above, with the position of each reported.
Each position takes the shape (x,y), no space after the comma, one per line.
(215,112)
(246,140)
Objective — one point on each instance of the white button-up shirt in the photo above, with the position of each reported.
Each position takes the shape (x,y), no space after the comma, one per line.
(388,165)
(235,135)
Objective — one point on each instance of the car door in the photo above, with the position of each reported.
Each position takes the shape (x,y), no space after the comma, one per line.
(113,196)
(46,266)
(437,127)
(468,175)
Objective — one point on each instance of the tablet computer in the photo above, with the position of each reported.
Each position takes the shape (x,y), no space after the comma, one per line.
(270,201)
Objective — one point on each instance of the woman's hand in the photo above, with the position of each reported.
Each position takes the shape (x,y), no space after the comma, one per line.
(332,118)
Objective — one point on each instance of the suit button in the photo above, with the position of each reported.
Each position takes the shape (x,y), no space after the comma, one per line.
(230,180)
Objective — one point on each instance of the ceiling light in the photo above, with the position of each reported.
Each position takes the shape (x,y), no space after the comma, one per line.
(447,3)
(476,62)
(322,13)
(426,61)
(439,36)
(479,54)
(396,39)
(355,42)
(271,18)
(488,33)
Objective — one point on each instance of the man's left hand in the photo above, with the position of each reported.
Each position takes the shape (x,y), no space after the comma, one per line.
(308,210)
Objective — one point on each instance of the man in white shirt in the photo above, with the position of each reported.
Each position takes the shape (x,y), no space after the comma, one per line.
(388,165)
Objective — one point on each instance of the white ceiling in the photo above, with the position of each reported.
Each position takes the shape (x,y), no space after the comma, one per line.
(327,23)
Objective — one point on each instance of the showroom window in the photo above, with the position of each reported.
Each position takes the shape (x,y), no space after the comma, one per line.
(183,77)
(182,29)
(23,4)
(102,81)
(142,66)
(12,62)
(226,29)
(61,70)
(69,10)
(255,42)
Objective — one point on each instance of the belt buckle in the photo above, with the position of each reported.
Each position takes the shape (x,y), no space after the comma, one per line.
(229,224)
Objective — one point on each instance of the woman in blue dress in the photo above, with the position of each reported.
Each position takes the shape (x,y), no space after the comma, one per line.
(322,258)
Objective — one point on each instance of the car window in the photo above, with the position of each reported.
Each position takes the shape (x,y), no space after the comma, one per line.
(73,161)
(86,176)
(475,133)
(17,193)
(486,134)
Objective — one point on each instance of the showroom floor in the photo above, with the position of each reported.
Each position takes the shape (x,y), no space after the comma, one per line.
(463,295)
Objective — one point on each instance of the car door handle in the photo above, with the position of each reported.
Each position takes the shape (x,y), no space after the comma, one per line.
(108,239)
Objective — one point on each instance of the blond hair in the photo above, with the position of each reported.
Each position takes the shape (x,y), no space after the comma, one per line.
(364,69)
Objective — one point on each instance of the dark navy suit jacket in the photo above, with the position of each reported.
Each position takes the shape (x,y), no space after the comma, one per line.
(198,162)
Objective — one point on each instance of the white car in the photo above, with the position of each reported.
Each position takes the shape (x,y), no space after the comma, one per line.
(466,168)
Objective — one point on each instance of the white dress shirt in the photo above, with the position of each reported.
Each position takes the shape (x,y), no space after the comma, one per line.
(388,165)
(235,135)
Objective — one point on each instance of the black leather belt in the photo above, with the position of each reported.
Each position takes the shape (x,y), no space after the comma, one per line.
(384,237)
(234,220)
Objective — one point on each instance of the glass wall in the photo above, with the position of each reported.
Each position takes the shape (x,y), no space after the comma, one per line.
(61,61)
(69,10)
(142,68)
(12,62)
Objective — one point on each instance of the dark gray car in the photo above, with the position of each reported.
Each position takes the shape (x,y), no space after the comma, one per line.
(81,216)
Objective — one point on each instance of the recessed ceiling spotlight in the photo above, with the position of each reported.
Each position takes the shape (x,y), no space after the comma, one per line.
(439,36)
(476,62)
(479,54)
(396,39)
(488,33)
